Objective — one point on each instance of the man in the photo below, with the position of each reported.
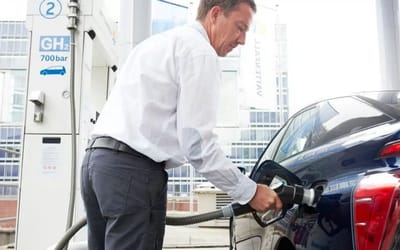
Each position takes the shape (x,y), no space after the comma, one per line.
(162,112)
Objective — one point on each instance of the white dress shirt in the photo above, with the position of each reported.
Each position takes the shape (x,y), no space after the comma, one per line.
(164,105)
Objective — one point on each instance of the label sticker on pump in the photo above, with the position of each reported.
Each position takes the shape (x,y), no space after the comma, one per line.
(54,43)
(52,50)
(50,9)
(51,155)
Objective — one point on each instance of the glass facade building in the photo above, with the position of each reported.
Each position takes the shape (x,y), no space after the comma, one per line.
(14,41)
(10,147)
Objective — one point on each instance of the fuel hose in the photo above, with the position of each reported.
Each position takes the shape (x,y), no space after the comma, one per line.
(288,194)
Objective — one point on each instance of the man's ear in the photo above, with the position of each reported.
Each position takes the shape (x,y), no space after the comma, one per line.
(214,13)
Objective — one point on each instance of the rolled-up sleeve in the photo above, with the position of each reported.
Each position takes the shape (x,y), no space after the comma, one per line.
(199,80)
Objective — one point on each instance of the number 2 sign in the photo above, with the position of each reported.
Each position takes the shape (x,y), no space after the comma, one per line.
(50,8)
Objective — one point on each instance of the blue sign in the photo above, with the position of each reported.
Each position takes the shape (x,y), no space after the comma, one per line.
(50,9)
(54,43)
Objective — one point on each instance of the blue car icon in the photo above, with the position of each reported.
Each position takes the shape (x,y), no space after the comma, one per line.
(53,70)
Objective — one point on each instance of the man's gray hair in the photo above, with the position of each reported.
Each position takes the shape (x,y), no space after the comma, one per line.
(226,5)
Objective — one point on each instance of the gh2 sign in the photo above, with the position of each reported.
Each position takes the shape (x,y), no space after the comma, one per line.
(54,43)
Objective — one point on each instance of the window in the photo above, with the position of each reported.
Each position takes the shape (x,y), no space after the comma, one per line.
(252,153)
(246,153)
(259,151)
(14,170)
(259,117)
(245,135)
(326,122)
(185,188)
(184,171)
(296,135)
(273,117)
(253,117)
(8,190)
(252,135)
(177,188)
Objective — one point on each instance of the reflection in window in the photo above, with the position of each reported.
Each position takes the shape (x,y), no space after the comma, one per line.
(296,136)
(326,122)
(345,115)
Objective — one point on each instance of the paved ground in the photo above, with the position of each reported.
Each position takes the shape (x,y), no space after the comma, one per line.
(196,237)
(7,247)
(213,236)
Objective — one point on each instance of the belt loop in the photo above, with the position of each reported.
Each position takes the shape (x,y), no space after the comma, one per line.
(91,142)
(116,145)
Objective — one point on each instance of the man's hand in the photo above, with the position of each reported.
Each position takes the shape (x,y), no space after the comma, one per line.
(265,199)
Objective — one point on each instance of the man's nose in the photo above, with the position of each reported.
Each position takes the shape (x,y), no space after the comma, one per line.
(242,38)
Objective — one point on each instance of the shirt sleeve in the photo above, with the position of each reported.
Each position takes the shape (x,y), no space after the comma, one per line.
(200,79)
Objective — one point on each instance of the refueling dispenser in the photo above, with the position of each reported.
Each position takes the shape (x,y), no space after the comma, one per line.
(72,63)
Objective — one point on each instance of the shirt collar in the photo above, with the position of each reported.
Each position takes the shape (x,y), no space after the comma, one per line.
(199,27)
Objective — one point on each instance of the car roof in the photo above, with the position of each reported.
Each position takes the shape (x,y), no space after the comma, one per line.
(387,101)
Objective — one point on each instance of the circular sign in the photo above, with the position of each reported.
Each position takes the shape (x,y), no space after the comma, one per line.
(50,9)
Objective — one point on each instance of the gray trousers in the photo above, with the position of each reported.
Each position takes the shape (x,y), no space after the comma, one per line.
(125,200)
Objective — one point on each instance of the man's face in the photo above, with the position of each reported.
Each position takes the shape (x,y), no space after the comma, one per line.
(230,30)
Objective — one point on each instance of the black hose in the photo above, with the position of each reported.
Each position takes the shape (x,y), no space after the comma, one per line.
(172,221)
(288,194)
(187,220)
(70,233)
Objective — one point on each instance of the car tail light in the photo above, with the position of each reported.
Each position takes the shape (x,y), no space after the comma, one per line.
(376,211)
(391,149)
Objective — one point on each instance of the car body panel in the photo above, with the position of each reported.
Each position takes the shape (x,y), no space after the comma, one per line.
(335,165)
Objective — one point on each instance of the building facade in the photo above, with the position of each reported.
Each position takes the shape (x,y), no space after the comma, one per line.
(14,41)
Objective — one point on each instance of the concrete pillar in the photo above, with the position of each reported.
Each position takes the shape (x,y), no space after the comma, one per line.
(135,25)
(388,21)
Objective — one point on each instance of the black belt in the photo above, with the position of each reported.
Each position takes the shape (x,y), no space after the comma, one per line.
(106,142)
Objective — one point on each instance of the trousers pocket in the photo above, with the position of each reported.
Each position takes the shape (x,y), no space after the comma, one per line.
(139,195)
(111,190)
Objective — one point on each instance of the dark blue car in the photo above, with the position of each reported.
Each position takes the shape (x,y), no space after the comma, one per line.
(348,148)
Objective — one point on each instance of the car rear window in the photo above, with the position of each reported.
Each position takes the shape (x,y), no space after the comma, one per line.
(342,116)
(327,121)
(391,98)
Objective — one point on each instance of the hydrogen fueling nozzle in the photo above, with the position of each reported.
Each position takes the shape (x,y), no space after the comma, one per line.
(289,196)
(283,182)
(295,194)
